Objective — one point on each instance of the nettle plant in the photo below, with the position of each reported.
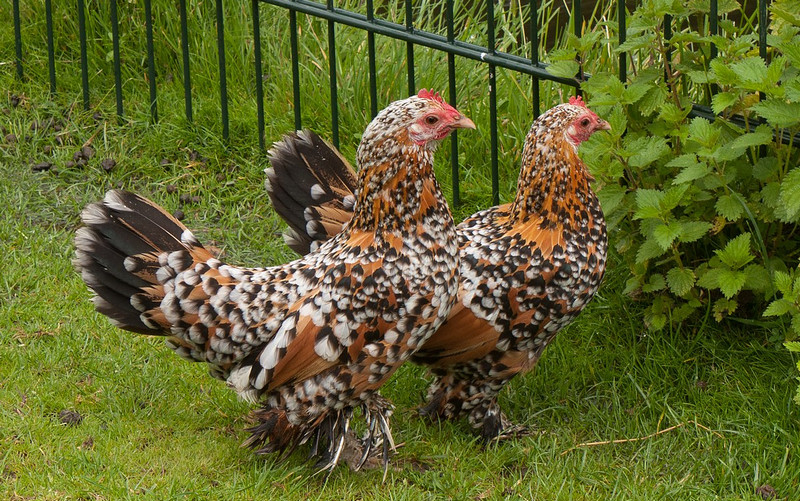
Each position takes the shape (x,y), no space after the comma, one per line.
(704,212)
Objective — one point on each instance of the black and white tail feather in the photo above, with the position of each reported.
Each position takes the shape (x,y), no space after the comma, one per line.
(312,187)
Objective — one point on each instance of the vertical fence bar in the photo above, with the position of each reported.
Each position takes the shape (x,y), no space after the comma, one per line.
(117,66)
(332,68)
(412,86)
(763,24)
(492,103)
(577,17)
(373,84)
(259,75)
(535,57)
(17,38)
(298,122)
(151,66)
(623,35)
(451,77)
(223,83)
(84,57)
(713,29)
(667,36)
(51,52)
(187,79)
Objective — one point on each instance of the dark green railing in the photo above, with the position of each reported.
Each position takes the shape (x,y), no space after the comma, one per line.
(373,27)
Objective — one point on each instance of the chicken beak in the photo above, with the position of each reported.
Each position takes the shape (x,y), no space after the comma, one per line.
(602,125)
(463,123)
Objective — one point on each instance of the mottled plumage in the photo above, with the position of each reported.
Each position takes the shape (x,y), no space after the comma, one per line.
(527,268)
(312,339)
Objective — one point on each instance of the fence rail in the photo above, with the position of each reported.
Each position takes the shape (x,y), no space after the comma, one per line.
(373,26)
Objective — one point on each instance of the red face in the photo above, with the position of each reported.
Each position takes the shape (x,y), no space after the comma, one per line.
(437,123)
(584,126)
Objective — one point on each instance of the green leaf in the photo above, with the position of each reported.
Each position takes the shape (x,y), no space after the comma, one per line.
(736,252)
(680,280)
(751,72)
(692,173)
(793,346)
(610,197)
(729,207)
(723,73)
(646,150)
(790,195)
(757,278)
(672,114)
(724,306)
(709,279)
(672,197)
(796,325)
(784,282)
(762,135)
(648,250)
(563,69)
(720,102)
(779,307)
(693,230)
(703,132)
(731,282)
(655,283)
(665,234)
(653,100)
(648,203)
(778,112)
(766,168)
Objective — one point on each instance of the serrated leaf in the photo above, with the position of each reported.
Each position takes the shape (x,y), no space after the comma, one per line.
(709,279)
(653,100)
(765,168)
(783,281)
(634,92)
(563,69)
(789,196)
(703,132)
(680,280)
(762,135)
(736,252)
(610,197)
(751,72)
(672,197)
(655,283)
(692,173)
(693,230)
(722,101)
(779,307)
(757,278)
(778,112)
(729,207)
(724,306)
(793,346)
(648,250)
(685,160)
(723,74)
(649,198)
(731,282)
(791,49)
(646,150)
(665,234)
(672,114)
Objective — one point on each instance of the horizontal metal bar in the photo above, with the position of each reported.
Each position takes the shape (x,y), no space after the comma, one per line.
(749,125)
(424,38)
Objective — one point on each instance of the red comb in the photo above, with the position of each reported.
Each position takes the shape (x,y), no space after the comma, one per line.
(577,101)
(430,94)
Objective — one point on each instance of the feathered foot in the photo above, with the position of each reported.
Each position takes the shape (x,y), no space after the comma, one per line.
(495,426)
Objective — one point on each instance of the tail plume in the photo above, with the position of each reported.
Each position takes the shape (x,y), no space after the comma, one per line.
(126,252)
(312,187)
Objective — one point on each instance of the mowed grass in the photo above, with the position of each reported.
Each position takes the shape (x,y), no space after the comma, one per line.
(140,423)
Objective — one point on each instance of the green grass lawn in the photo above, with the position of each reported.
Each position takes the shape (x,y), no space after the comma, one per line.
(156,427)
(88,411)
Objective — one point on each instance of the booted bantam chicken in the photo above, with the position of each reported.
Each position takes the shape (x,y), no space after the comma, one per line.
(527,268)
(313,339)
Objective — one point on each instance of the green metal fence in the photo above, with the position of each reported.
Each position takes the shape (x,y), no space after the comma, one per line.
(374,26)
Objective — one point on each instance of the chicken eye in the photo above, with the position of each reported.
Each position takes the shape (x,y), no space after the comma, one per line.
(585,122)
(431,119)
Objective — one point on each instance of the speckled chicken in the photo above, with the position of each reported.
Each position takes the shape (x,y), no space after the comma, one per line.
(313,339)
(527,268)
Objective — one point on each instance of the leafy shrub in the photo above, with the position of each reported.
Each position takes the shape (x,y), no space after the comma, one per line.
(703,211)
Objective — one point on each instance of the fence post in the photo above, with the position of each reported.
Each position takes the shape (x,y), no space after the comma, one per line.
(492,103)
(151,67)
(622,36)
(451,78)
(17,39)
(117,68)
(223,83)
(258,71)
(187,77)
(51,52)
(84,57)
